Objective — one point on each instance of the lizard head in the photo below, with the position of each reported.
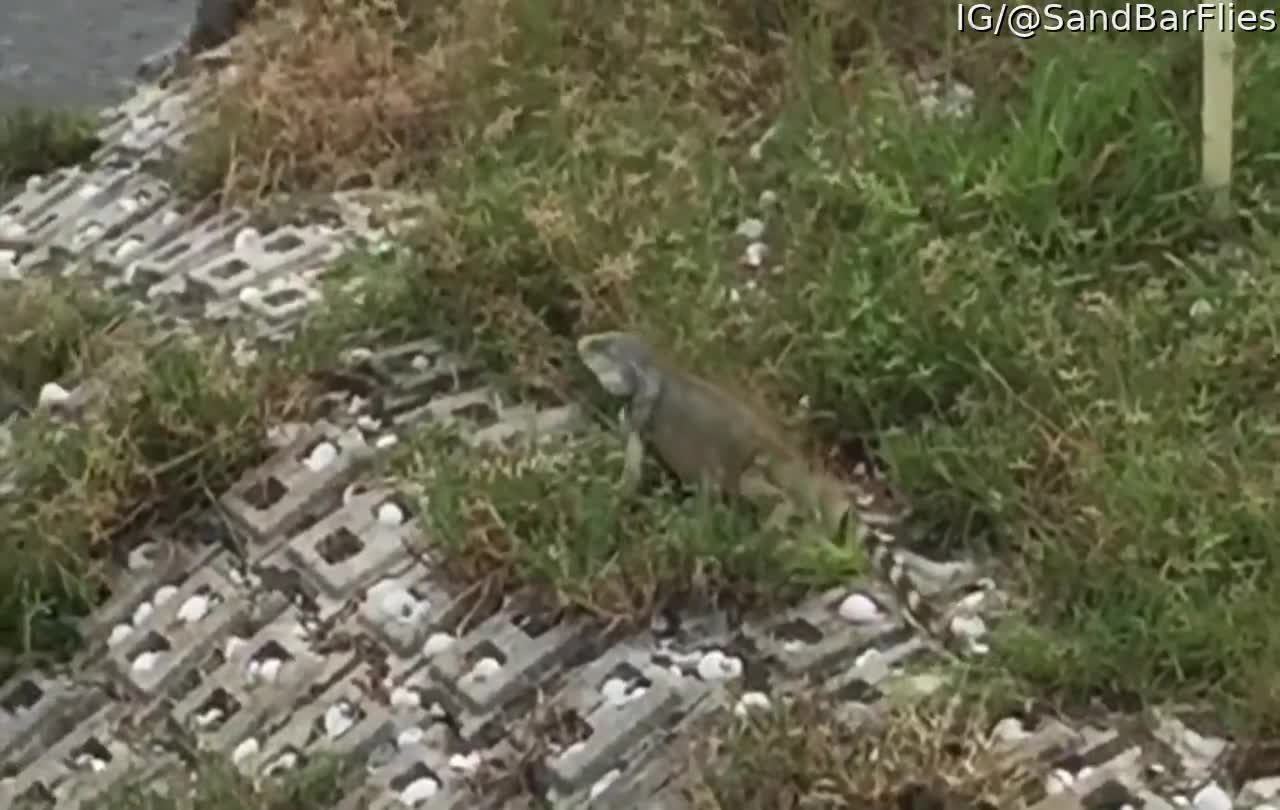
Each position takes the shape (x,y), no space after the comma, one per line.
(616,359)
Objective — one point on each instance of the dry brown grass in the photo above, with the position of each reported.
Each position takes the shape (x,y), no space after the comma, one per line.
(934,754)
(331,94)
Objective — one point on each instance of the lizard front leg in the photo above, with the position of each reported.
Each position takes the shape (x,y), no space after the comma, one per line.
(632,461)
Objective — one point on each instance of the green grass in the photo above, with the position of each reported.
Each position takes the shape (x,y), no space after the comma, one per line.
(180,423)
(548,516)
(1060,362)
(318,782)
(34,141)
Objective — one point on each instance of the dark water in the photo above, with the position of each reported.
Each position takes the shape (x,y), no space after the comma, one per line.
(81,53)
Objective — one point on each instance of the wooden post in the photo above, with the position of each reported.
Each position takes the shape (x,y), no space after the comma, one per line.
(1218,91)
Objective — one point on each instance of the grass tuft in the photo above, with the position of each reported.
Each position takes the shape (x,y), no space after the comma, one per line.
(804,752)
(35,141)
(551,517)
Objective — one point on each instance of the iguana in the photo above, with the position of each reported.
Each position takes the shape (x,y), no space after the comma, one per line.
(706,435)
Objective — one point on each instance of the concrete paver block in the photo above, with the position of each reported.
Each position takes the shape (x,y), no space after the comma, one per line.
(498,661)
(167,641)
(274,498)
(621,698)
(358,543)
(78,767)
(342,720)
(255,259)
(261,677)
(36,710)
(198,240)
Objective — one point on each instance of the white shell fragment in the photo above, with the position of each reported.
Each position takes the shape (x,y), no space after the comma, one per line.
(969,627)
(163,594)
(751,701)
(859,608)
(716,666)
(1057,781)
(390,514)
(1211,797)
(466,763)
(486,668)
(603,783)
(194,609)
(246,749)
(419,790)
(338,719)
(751,229)
(52,394)
(142,612)
(437,643)
(1010,730)
(119,634)
(145,662)
(394,603)
(321,456)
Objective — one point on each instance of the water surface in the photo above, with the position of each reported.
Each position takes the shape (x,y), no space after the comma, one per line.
(81,53)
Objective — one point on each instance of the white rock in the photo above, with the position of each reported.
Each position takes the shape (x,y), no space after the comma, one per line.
(402,698)
(466,763)
(324,454)
(437,643)
(751,701)
(209,717)
(249,294)
(1057,781)
(603,783)
(269,672)
(969,627)
(751,229)
(389,514)
(388,440)
(169,217)
(395,603)
(247,748)
(285,762)
(233,645)
(768,198)
(89,190)
(146,661)
(118,634)
(1211,797)
(716,666)
(128,247)
(247,238)
(52,394)
(1268,787)
(420,362)
(756,253)
(419,790)
(486,668)
(163,594)
(413,735)
(194,609)
(858,608)
(1010,730)
(338,718)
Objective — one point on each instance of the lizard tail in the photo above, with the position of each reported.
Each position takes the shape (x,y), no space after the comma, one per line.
(887,565)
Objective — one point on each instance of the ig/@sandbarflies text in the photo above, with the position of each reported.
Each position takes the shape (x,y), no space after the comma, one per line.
(1026,21)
